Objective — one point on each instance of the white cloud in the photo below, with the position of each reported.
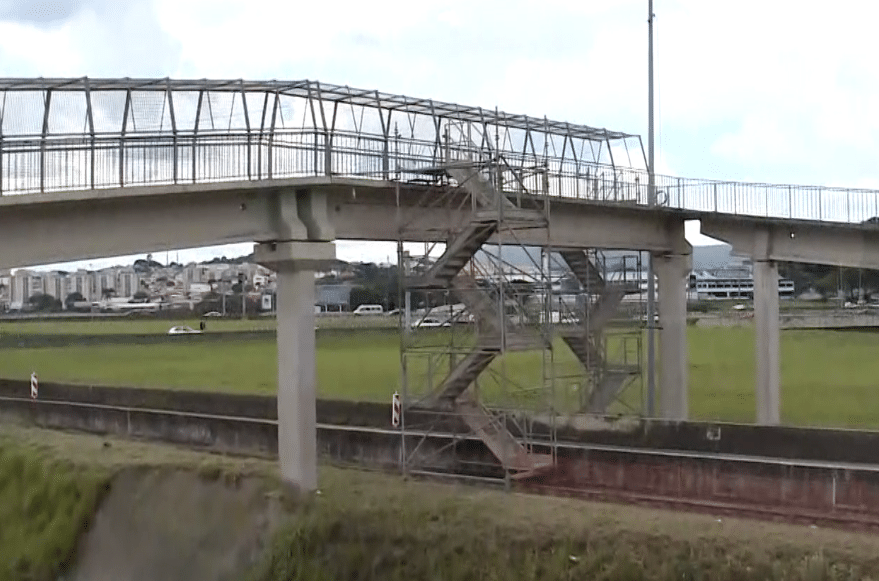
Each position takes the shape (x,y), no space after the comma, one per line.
(99,38)
(764,91)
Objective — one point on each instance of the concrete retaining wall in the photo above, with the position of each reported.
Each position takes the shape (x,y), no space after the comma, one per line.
(817,320)
(848,493)
(339,412)
(779,442)
(370,447)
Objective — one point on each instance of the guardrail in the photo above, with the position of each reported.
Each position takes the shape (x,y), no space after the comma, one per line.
(60,163)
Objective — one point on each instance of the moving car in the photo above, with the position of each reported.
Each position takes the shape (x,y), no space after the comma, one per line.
(428,322)
(183,330)
(369,310)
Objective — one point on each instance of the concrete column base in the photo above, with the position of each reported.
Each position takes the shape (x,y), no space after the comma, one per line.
(295,264)
(672,273)
(766,307)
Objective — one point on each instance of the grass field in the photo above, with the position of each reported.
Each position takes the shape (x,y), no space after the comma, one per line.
(373,526)
(140,326)
(829,378)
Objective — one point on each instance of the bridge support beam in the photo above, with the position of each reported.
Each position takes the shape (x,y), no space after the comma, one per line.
(672,273)
(766,304)
(295,263)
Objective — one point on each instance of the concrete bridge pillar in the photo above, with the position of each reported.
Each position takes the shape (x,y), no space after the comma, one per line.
(302,216)
(672,273)
(767,347)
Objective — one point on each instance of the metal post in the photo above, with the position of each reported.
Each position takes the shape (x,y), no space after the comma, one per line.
(195,136)
(173,127)
(247,126)
(47,105)
(272,135)
(651,198)
(122,138)
(91,124)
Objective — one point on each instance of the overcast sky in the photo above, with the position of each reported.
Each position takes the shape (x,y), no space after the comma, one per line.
(780,91)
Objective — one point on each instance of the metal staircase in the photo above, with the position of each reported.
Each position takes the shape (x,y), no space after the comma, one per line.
(585,340)
(497,332)
(464,374)
(609,379)
(484,194)
(457,254)
(505,447)
(583,268)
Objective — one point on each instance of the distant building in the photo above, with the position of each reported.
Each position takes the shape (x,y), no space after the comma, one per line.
(731,284)
(5,289)
(723,283)
(332,297)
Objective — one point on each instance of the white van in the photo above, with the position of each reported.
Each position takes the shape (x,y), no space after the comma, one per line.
(369,310)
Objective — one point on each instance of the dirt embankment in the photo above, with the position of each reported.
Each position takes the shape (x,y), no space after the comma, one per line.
(177,525)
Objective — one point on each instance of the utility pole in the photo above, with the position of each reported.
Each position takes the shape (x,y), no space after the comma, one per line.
(651,200)
(242,278)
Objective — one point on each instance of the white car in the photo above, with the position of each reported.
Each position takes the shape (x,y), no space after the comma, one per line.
(183,330)
(429,322)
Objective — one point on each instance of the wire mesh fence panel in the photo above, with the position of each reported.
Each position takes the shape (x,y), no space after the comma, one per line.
(74,134)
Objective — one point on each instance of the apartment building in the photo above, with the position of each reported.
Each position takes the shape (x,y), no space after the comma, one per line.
(169,284)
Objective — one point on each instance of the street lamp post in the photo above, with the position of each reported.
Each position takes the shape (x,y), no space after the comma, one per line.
(651,200)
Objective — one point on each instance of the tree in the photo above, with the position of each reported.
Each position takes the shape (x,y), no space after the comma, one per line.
(140,296)
(143,266)
(44,303)
(362,295)
(71,299)
(106,293)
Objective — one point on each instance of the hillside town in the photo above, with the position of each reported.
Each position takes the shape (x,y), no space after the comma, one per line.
(221,285)
(228,285)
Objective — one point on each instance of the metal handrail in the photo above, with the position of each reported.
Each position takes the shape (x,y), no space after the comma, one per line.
(45,163)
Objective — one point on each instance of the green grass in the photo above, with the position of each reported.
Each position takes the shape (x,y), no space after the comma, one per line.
(349,366)
(829,378)
(52,482)
(374,527)
(145,325)
(126,326)
(44,504)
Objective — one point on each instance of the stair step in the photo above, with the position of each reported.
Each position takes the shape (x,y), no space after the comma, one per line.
(479,187)
(464,373)
(457,254)
(583,268)
(608,390)
(500,441)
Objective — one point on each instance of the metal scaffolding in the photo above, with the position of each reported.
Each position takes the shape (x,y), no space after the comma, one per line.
(476,350)
(489,345)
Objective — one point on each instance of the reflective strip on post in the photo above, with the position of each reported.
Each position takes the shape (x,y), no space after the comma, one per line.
(395,410)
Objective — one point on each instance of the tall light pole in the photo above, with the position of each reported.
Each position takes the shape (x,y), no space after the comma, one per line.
(651,200)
